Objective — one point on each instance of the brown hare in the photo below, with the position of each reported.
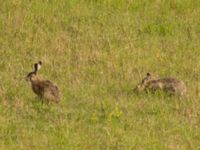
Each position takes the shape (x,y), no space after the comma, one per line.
(169,85)
(45,89)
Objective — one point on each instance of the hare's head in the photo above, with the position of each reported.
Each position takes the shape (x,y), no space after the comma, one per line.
(33,75)
(142,85)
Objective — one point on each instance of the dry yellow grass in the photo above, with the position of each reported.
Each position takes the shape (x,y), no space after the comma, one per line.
(97,51)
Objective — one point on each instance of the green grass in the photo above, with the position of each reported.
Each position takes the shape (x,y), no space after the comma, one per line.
(97,51)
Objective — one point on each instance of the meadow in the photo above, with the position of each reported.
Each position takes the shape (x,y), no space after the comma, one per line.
(97,51)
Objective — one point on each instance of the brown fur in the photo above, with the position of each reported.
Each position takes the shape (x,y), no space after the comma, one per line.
(45,89)
(169,85)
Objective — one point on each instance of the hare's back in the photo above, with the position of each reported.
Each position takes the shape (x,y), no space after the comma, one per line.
(51,90)
(174,85)
(170,80)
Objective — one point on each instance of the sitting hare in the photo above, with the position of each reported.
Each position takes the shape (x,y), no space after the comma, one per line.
(169,85)
(45,89)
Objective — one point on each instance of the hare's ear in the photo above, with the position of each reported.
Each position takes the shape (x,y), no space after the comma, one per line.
(39,64)
(35,67)
(148,74)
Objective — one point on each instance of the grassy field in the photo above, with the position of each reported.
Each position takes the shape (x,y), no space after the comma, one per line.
(97,51)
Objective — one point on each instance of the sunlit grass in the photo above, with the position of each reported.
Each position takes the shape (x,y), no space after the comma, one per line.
(97,51)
